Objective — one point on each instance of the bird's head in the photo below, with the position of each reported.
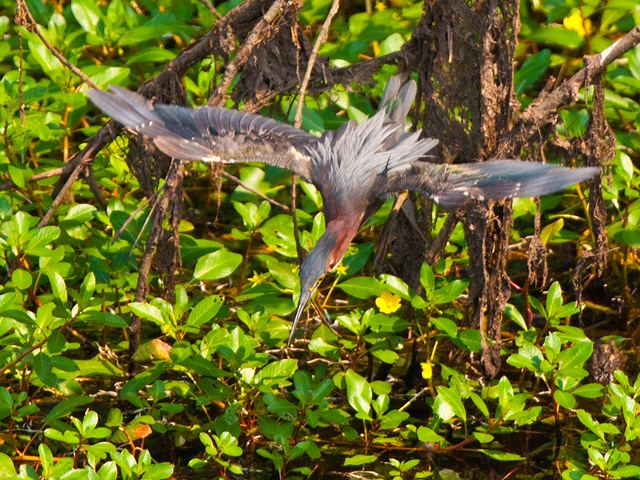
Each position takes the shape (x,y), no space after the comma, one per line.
(324,257)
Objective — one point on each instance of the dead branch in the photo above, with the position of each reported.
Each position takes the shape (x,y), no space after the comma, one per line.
(262,32)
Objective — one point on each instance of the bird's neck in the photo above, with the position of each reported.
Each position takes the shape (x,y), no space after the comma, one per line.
(344,229)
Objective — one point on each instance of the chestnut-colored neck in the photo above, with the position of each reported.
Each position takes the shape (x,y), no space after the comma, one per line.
(344,230)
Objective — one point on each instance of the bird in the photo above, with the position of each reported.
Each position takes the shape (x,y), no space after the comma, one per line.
(354,167)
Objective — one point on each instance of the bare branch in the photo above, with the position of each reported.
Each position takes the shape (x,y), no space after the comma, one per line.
(322,36)
(262,32)
(33,26)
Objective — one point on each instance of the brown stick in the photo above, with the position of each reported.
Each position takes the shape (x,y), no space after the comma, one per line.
(322,36)
(33,26)
(174,178)
(547,103)
(255,192)
(211,8)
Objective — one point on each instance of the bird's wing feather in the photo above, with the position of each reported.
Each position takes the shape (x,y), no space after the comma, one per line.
(452,185)
(210,133)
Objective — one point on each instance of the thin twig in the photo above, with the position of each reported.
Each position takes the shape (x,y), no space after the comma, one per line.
(133,215)
(322,36)
(255,192)
(33,25)
(174,178)
(547,103)
(212,9)
(85,158)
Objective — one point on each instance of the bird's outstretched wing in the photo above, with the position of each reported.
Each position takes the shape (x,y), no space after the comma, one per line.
(210,134)
(452,185)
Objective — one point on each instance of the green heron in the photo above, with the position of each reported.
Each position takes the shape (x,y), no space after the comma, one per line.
(353,167)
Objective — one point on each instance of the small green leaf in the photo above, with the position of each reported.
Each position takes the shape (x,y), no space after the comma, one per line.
(501,456)
(21,279)
(216,265)
(204,311)
(66,408)
(531,70)
(87,14)
(357,460)
(564,399)
(427,435)
(58,286)
(362,287)
(483,437)
(359,393)
(147,312)
(448,404)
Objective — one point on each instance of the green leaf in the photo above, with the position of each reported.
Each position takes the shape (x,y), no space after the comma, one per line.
(515,316)
(590,390)
(392,43)
(151,55)
(87,14)
(359,393)
(66,408)
(549,231)
(158,471)
(362,287)
(56,342)
(427,279)
(359,459)
(575,123)
(216,265)
(392,419)
(427,435)
(397,286)
(204,311)
(588,421)
(7,469)
(564,399)
(483,437)
(501,456)
(42,237)
(58,286)
(80,213)
(576,356)
(147,312)
(531,70)
(278,370)
(21,279)
(558,36)
(448,292)
(448,404)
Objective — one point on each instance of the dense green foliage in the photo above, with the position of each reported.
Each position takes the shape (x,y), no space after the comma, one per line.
(217,391)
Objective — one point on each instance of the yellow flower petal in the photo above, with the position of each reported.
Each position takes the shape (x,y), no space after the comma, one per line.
(577,23)
(427,369)
(388,302)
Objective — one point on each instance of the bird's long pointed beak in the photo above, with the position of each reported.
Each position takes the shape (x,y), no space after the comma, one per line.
(305,296)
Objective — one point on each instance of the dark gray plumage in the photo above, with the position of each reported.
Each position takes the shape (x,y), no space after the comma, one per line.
(353,166)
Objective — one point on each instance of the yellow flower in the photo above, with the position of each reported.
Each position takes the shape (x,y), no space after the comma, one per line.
(257,278)
(380,6)
(427,370)
(341,269)
(388,302)
(577,23)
